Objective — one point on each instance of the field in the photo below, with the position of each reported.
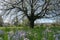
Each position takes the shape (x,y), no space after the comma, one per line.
(26,33)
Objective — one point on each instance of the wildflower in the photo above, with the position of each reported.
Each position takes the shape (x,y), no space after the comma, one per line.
(26,39)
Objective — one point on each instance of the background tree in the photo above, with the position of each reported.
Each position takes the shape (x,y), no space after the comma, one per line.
(1,21)
(32,9)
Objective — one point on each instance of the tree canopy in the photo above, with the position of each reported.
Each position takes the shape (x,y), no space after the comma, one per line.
(32,9)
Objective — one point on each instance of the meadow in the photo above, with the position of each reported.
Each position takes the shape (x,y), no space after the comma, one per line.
(27,33)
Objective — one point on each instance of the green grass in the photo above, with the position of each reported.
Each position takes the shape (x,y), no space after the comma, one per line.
(36,33)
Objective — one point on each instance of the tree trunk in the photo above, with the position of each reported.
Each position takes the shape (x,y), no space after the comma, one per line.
(32,23)
(32,15)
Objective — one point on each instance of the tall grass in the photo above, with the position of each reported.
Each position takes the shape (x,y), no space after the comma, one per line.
(36,33)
